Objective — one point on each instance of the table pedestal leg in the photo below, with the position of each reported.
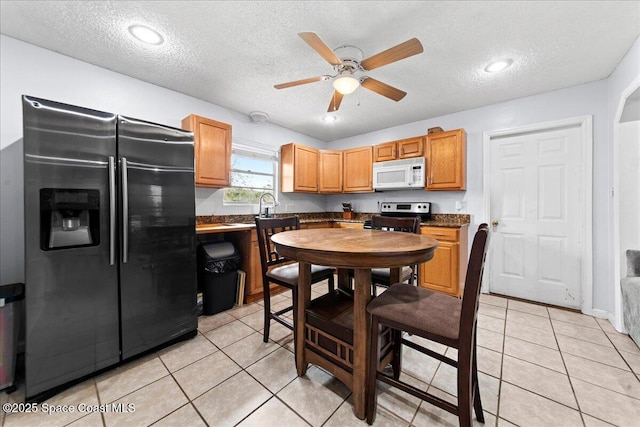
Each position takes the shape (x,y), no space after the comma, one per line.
(361,341)
(343,279)
(304,298)
(394,275)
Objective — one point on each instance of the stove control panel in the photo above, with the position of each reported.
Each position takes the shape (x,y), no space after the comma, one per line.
(416,208)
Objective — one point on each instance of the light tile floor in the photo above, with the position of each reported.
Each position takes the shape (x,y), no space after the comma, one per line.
(539,366)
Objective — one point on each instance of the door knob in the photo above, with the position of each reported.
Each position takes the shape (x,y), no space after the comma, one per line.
(495,223)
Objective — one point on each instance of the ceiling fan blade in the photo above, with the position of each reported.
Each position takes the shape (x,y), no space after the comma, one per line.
(300,82)
(336,99)
(319,46)
(382,89)
(396,53)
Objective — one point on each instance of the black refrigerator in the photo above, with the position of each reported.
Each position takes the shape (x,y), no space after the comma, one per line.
(110,247)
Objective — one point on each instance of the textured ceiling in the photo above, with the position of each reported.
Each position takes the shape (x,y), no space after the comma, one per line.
(232,53)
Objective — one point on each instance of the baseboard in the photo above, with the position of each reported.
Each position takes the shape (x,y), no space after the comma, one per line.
(603,314)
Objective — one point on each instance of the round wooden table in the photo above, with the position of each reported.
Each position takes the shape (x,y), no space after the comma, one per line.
(356,249)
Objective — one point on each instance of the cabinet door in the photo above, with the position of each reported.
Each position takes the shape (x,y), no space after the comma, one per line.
(411,147)
(441,272)
(446,163)
(330,172)
(212,151)
(253,289)
(358,169)
(298,169)
(384,152)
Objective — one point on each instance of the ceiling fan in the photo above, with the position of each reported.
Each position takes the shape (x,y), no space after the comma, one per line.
(347,62)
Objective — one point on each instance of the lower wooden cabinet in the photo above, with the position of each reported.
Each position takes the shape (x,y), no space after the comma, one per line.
(253,283)
(348,225)
(323,224)
(446,271)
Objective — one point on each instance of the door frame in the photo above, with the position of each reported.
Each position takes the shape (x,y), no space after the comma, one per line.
(616,318)
(586,195)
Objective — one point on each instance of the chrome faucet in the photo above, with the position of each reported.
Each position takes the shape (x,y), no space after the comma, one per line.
(262,200)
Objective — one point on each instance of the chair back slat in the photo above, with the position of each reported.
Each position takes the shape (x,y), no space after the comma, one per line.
(473,280)
(267,227)
(401,224)
(390,223)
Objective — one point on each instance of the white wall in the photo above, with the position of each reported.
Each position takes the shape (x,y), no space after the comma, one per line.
(30,70)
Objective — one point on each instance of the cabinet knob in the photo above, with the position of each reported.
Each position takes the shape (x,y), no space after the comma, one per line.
(495,223)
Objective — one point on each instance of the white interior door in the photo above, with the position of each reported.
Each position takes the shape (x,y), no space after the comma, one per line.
(536,197)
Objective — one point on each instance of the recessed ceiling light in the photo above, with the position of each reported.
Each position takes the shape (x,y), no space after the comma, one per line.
(329,118)
(500,65)
(146,34)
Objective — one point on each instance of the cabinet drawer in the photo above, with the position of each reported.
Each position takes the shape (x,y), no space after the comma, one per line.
(348,225)
(442,233)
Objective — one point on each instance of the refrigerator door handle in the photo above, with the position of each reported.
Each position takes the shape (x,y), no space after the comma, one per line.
(125,211)
(112,210)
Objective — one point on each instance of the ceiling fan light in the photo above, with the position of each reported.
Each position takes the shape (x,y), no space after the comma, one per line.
(346,84)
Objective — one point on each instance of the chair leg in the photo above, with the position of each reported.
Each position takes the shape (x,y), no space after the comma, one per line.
(465,389)
(332,286)
(477,402)
(266,296)
(294,294)
(371,390)
(396,362)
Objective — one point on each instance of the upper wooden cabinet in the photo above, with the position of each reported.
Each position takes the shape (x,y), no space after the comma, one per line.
(298,168)
(411,147)
(446,160)
(401,149)
(358,170)
(330,171)
(384,152)
(212,150)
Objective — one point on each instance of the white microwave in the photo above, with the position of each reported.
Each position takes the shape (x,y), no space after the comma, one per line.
(399,174)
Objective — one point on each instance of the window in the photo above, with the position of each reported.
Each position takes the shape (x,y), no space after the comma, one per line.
(253,172)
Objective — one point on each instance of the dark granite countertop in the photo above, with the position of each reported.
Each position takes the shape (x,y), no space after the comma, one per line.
(230,223)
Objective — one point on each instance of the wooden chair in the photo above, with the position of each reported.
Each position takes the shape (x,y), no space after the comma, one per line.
(382,276)
(436,317)
(282,271)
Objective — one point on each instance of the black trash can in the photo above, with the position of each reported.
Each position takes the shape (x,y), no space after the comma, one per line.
(11,302)
(218,276)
